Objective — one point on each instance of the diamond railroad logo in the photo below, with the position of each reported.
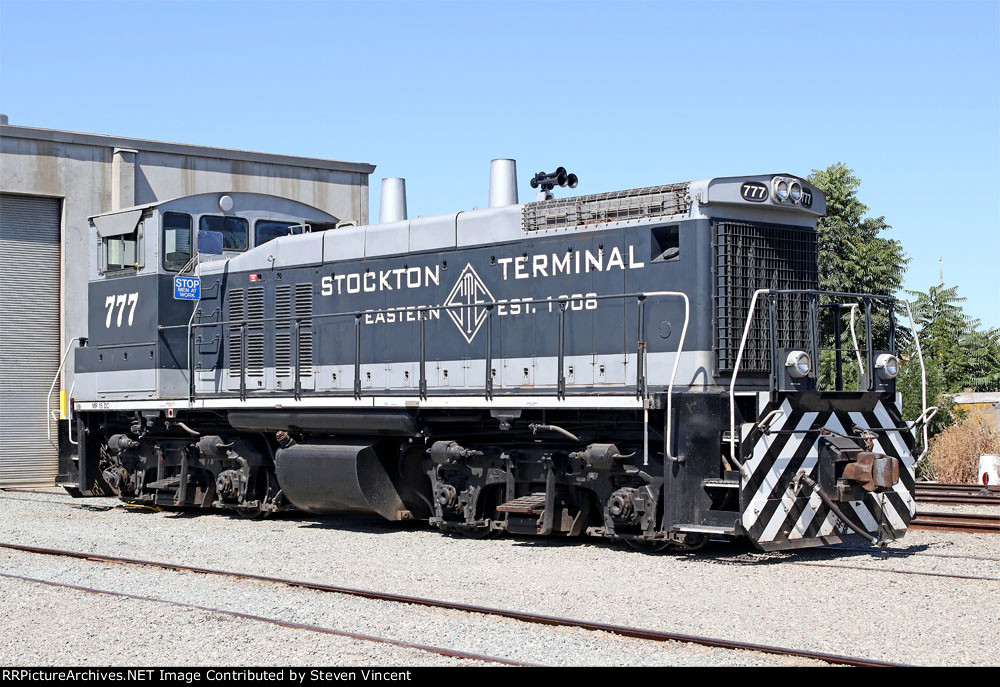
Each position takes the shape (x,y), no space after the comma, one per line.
(469,290)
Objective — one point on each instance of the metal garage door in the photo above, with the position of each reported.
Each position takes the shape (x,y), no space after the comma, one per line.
(29,337)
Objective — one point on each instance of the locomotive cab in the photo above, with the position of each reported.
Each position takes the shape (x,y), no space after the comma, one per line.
(132,296)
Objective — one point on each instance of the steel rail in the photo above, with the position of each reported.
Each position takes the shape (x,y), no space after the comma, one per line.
(945,499)
(964,488)
(524,616)
(945,493)
(896,571)
(891,552)
(957,522)
(453,653)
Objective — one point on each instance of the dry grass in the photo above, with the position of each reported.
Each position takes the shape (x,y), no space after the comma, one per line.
(954,453)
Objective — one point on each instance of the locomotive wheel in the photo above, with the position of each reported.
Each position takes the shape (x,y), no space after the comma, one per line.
(693,542)
(251,512)
(471,532)
(478,532)
(646,546)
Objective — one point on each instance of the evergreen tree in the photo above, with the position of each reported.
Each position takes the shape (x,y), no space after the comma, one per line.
(853,254)
(968,357)
(854,257)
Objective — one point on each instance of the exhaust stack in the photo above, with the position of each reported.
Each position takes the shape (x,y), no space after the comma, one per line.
(503,183)
(392,205)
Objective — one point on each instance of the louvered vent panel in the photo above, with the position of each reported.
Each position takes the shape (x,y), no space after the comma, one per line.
(255,354)
(255,331)
(283,353)
(283,305)
(304,310)
(234,316)
(306,352)
(283,331)
(303,300)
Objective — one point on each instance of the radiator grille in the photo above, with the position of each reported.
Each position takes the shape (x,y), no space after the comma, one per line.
(616,206)
(751,256)
(235,314)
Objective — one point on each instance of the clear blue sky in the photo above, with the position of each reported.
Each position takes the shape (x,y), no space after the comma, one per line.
(624,94)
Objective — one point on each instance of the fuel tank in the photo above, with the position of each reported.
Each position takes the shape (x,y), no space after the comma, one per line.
(338,476)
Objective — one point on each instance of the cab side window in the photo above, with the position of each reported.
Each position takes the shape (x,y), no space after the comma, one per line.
(122,252)
(176,240)
(265,230)
(235,230)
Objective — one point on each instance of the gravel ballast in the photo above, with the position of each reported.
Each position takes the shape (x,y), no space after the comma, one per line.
(861,606)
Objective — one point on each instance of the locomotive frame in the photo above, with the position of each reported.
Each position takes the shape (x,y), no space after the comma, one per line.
(347,369)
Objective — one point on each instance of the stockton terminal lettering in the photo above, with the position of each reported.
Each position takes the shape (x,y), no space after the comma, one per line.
(521,267)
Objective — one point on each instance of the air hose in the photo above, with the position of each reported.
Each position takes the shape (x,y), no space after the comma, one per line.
(535,429)
(804,478)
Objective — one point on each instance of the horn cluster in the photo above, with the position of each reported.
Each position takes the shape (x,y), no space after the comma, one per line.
(549,180)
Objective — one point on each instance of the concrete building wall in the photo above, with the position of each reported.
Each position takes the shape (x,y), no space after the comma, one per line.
(93,173)
(987,403)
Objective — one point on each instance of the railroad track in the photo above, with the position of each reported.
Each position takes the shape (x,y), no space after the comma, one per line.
(957,522)
(964,494)
(524,616)
(452,653)
(873,550)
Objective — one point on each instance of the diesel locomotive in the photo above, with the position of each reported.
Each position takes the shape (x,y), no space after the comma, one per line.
(638,365)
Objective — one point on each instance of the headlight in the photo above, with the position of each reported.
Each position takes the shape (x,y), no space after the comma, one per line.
(796,191)
(887,366)
(781,190)
(798,364)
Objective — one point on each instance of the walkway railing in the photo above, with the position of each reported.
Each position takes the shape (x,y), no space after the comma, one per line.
(813,296)
(564,306)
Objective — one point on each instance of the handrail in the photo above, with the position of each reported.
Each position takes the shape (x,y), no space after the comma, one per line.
(857,346)
(923,384)
(854,339)
(732,382)
(425,308)
(751,312)
(69,414)
(55,380)
(641,372)
(673,374)
(194,311)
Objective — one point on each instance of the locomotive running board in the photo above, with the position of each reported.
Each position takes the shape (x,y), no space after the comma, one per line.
(584,401)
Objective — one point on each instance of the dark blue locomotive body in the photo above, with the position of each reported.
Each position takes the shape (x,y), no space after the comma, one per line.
(637,365)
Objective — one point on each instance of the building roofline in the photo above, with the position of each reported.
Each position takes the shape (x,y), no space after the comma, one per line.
(59,136)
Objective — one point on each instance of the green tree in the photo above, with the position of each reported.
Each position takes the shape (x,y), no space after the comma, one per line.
(854,257)
(853,254)
(968,357)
